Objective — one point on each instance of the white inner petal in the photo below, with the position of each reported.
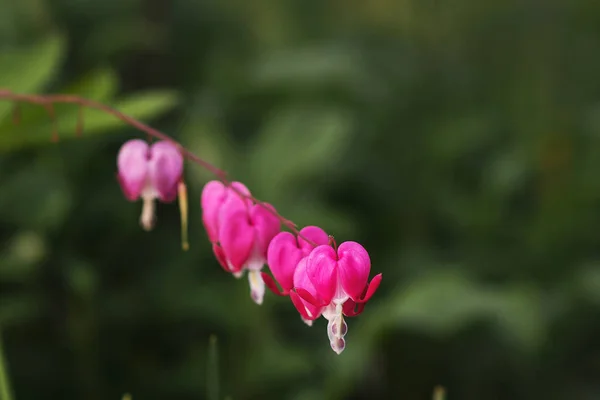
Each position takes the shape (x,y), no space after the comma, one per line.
(148,213)
(257,286)
(256,260)
(340,295)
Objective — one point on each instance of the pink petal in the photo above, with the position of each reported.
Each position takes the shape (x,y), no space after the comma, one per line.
(132,164)
(267,225)
(308,297)
(165,169)
(220,256)
(283,256)
(371,289)
(299,304)
(270,283)
(306,290)
(321,268)
(233,201)
(352,309)
(237,237)
(234,198)
(213,195)
(354,267)
(302,280)
(314,234)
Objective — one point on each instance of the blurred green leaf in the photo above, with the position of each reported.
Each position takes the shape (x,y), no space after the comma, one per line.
(99,85)
(443,303)
(312,67)
(28,69)
(139,106)
(148,103)
(208,139)
(439,303)
(297,141)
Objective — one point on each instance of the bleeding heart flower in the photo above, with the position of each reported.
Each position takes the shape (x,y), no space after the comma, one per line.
(150,172)
(285,252)
(240,231)
(335,281)
(308,311)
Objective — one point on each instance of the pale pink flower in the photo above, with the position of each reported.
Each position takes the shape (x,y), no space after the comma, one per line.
(150,172)
(240,232)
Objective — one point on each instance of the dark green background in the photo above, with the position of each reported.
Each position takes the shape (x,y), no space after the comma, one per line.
(459,141)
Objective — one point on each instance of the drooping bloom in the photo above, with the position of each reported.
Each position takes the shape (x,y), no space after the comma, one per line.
(239,230)
(150,172)
(285,252)
(333,283)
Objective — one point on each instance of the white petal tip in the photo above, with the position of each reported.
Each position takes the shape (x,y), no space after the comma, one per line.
(338,345)
(238,274)
(257,286)
(148,218)
(258,299)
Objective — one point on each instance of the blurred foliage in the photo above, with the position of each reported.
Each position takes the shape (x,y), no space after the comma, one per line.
(27,70)
(458,141)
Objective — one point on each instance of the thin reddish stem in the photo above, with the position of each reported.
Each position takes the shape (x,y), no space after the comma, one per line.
(48,101)
(332,242)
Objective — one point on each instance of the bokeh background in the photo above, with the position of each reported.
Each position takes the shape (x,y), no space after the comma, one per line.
(459,141)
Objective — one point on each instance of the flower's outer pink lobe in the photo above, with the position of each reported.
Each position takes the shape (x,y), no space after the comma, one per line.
(220,256)
(321,268)
(132,164)
(165,168)
(283,256)
(303,282)
(371,288)
(237,238)
(266,225)
(354,266)
(215,195)
(313,233)
(352,309)
(299,304)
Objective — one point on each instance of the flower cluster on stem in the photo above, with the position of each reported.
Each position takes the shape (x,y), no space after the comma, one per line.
(320,277)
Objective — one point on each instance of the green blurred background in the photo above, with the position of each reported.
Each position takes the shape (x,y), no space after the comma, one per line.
(459,141)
